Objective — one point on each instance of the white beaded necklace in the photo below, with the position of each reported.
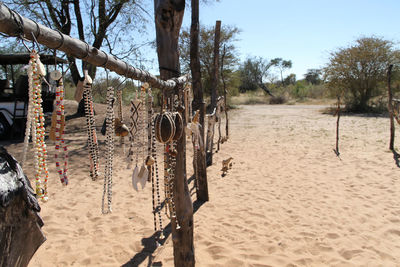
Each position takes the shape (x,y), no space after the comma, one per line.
(90,127)
(108,173)
(35,125)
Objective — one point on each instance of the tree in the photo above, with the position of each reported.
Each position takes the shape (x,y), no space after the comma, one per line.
(206,46)
(290,79)
(109,23)
(282,65)
(253,72)
(313,76)
(357,71)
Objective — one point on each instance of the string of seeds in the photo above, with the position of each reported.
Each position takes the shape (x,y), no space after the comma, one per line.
(90,128)
(108,173)
(155,166)
(29,115)
(62,172)
(119,101)
(35,72)
(150,132)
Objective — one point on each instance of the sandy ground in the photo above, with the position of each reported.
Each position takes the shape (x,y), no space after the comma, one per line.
(287,201)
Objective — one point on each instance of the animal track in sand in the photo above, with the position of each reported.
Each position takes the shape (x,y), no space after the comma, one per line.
(349,254)
(332,235)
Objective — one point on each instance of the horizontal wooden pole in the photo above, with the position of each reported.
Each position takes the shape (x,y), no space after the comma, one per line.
(15,25)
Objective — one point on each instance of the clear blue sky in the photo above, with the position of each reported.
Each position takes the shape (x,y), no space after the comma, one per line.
(302,31)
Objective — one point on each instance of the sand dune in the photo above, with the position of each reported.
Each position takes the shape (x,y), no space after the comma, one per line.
(287,201)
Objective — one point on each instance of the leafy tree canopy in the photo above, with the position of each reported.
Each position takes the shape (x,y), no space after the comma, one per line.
(357,71)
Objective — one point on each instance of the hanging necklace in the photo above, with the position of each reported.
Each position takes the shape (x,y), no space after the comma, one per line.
(153,167)
(60,127)
(90,127)
(36,124)
(108,173)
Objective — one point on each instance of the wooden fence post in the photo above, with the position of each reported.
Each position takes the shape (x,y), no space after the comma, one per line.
(390,108)
(337,127)
(168,20)
(215,77)
(198,103)
(225,94)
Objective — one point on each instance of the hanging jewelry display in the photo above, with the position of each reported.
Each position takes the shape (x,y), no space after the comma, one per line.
(35,125)
(152,166)
(90,127)
(108,173)
(169,174)
(60,127)
(140,174)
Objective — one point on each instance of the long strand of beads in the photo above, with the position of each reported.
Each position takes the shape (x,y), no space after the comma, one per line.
(29,114)
(155,167)
(166,182)
(119,101)
(90,128)
(149,152)
(172,185)
(108,173)
(143,120)
(60,142)
(38,128)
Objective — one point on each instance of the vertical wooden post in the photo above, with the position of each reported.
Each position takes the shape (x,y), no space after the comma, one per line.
(337,127)
(215,78)
(198,102)
(390,107)
(210,137)
(168,20)
(225,94)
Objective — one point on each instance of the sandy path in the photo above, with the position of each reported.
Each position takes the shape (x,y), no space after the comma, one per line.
(287,201)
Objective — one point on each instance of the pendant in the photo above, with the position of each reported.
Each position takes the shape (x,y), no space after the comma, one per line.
(135,179)
(142,176)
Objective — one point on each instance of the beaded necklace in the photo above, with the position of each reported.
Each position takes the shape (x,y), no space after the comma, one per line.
(108,173)
(60,128)
(153,167)
(169,177)
(35,122)
(119,101)
(90,127)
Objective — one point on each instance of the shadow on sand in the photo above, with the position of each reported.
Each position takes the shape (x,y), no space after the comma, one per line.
(396,157)
(151,243)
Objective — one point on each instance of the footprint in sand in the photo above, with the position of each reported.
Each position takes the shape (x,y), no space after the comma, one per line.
(332,236)
(349,254)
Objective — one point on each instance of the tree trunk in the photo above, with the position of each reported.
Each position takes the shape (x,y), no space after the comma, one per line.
(168,20)
(215,77)
(210,137)
(198,102)
(20,223)
(390,108)
(225,95)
